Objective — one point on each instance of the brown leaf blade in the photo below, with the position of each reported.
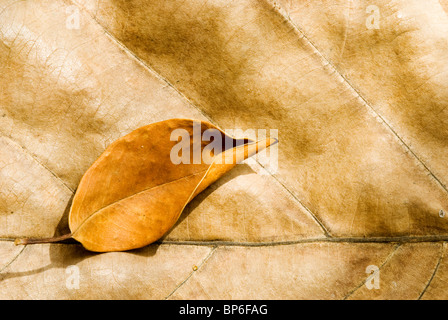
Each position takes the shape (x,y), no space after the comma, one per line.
(134,193)
(361,113)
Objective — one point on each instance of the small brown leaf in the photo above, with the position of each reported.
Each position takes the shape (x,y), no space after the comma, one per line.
(137,189)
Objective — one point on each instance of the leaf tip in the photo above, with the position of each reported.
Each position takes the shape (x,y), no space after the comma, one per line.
(274,141)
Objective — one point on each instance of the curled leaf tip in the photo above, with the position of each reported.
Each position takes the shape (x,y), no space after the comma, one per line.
(274,141)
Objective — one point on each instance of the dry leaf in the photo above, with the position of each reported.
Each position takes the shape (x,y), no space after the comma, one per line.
(137,189)
(357,91)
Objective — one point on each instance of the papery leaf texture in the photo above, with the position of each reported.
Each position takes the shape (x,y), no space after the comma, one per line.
(356,92)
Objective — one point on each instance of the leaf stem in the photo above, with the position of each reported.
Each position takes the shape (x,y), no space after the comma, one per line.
(25,241)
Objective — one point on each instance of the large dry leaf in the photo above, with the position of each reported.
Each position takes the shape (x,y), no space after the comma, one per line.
(362,118)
